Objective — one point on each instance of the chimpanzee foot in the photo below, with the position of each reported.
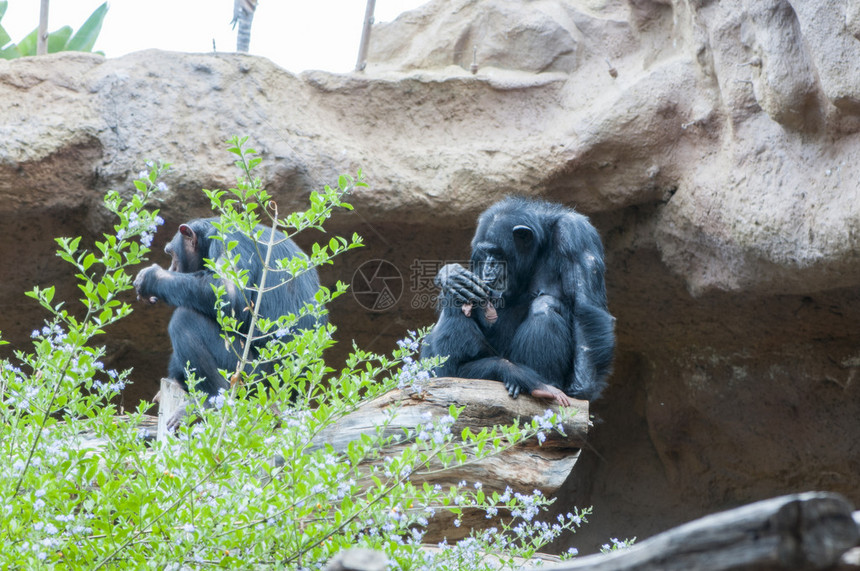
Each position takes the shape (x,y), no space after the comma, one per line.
(551,392)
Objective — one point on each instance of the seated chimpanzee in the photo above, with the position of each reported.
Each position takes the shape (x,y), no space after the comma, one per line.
(188,285)
(531,313)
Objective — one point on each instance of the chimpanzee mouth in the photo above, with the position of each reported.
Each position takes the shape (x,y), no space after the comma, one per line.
(493,274)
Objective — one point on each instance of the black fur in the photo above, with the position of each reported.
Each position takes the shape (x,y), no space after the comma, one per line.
(553,326)
(194,332)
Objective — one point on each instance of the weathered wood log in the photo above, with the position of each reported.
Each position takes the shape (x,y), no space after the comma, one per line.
(171,398)
(486,403)
(523,468)
(358,559)
(801,531)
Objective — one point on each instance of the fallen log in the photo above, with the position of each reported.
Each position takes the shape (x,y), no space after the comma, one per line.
(486,403)
(801,531)
(523,468)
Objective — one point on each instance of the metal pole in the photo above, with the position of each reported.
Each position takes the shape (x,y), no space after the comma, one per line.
(42,38)
(361,63)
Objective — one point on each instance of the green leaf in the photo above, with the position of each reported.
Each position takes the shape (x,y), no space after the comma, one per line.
(88,261)
(10,53)
(106,315)
(4,36)
(103,290)
(57,40)
(85,38)
(3,5)
(27,46)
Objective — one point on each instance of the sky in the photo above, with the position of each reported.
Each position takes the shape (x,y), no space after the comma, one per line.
(295,34)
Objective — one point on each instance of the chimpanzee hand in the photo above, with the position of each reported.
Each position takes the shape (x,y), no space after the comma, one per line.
(463,285)
(144,283)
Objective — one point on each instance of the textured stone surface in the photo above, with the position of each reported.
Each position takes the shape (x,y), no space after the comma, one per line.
(714,144)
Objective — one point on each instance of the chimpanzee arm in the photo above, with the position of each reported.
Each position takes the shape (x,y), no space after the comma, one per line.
(471,356)
(190,290)
(455,336)
(582,271)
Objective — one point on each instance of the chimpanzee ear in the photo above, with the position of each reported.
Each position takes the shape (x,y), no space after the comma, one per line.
(189,234)
(523,236)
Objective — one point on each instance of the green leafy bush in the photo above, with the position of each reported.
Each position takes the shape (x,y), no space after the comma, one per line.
(248,485)
(61,40)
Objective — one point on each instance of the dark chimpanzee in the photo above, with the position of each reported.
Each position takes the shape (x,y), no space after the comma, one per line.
(188,285)
(532,311)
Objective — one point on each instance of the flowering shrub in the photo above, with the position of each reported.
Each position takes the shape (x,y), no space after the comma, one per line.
(249,484)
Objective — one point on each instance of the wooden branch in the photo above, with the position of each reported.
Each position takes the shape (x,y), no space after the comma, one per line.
(361,62)
(523,468)
(486,404)
(802,531)
(42,37)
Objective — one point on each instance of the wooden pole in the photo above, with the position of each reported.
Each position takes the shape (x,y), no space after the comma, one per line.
(361,62)
(42,38)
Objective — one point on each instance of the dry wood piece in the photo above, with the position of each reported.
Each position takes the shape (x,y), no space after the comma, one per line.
(801,531)
(486,404)
(170,398)
(358,559)
(523,468)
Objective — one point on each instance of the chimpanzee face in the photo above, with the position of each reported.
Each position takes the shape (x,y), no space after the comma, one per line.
(492,269)
(505,257)
(184,251)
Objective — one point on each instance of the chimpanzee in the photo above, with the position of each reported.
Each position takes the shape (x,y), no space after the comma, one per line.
(188,285)
(532,311)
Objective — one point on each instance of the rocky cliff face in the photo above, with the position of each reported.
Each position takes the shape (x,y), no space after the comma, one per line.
(714,144)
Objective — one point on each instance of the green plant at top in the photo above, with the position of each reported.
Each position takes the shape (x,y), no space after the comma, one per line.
(61,40)
(251,484)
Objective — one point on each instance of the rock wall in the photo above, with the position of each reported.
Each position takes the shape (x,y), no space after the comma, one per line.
(714,145)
